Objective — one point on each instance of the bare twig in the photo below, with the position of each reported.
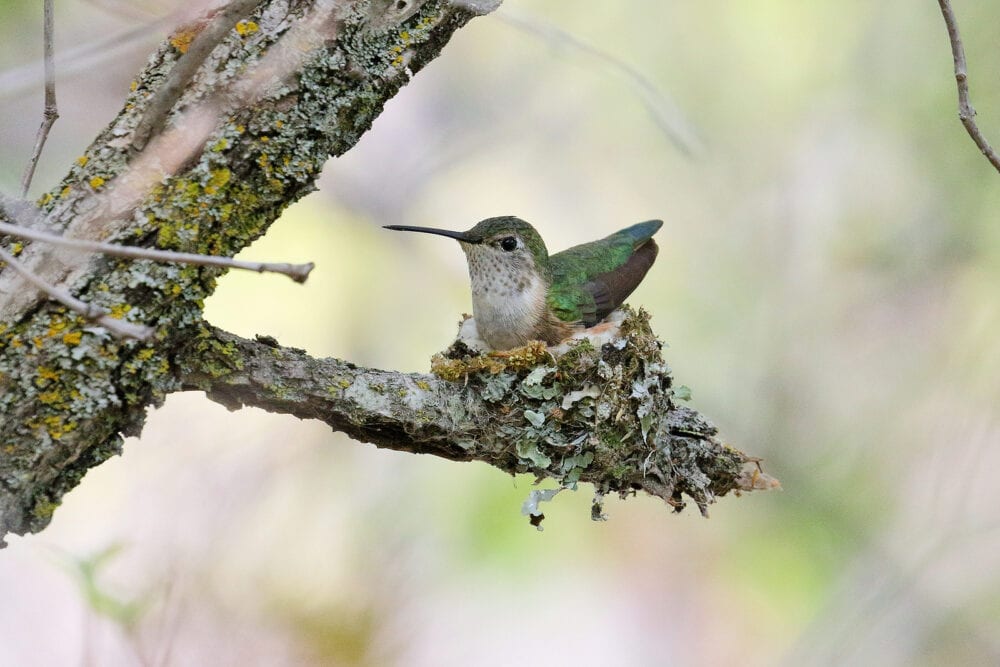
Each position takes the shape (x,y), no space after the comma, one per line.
(664,112)
(90,311)
(325,108)
(297,272)
(84,57)
(51,112)
(167,149)
(124,9)
(966,112)
(187,66)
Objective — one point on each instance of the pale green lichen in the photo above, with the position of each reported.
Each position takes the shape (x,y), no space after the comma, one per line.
(96,387)
(588,410)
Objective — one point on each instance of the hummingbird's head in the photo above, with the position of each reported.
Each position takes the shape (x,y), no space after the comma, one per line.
(506,245)
(506,242)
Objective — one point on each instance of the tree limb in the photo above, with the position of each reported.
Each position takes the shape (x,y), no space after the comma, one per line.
(191,60)
(293,83)
(605,415)
(210,182)
(88,311)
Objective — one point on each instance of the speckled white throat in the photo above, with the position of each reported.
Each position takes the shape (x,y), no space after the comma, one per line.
(508,295)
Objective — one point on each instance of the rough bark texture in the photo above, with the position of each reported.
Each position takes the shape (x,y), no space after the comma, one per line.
(607,415)
(69,391)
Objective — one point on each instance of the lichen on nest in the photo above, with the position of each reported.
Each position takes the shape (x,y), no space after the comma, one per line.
(600,408)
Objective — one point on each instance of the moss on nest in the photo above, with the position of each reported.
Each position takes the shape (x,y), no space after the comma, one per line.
(605,415)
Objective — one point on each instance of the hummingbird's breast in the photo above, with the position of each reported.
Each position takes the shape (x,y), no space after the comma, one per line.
(508,301)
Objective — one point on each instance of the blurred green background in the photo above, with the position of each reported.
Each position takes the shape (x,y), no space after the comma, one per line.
(828,283)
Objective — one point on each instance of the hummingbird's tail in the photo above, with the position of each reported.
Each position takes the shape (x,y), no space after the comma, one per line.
(641,232)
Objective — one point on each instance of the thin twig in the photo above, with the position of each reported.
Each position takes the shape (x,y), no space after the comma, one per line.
(124,9)
(664,112)
(187,66)
(97,314)
(168,149)
(966,112)
(51,111)
(297,272)
(87,56)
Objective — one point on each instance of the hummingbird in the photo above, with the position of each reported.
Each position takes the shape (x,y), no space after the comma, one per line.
(520,293)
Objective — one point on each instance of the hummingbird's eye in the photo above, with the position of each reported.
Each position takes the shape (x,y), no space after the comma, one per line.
(508,243)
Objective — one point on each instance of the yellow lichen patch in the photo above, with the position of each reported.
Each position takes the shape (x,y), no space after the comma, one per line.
(218,179)
(133,86)
(50,397)
(72,337)
(44,510)
(17,249)
(146,354)
(45,199)
(423,385)
(519,358)
(96,182)
(278,124)
(82,160)
(64,192)
(221,145)
(245,28)
(182,40)
(56,327)
(119,310)
(45,375)
(457,369)
(526,356)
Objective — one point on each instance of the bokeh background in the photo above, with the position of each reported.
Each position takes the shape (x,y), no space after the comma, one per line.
(828,284)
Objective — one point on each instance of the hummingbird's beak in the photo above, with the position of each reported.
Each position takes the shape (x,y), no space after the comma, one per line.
(458,236)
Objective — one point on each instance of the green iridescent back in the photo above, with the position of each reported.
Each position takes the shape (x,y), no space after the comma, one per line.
(589,281)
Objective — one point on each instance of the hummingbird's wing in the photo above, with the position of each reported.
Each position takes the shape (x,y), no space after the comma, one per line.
(591,280)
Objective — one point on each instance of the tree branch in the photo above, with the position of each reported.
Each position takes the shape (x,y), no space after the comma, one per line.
(605,415)
(966,112)
(297,272)
(210,185)
(88,311)
(292,84)
(194,55)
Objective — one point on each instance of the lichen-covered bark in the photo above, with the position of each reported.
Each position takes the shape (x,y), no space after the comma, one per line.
(607,416)
(68,390)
